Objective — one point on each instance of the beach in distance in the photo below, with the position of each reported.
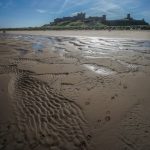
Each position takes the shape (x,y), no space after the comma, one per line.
(140,34)
(75,90)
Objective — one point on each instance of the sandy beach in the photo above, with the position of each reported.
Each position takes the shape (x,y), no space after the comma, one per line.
(75,90)
(90,33)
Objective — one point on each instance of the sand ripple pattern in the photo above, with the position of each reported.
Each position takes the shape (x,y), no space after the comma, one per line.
(47,120)
(134,130)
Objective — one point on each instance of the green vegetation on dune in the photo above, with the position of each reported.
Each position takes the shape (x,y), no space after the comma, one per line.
(81,25)
(77,25)
(96,27)
(63,24)
(71,24)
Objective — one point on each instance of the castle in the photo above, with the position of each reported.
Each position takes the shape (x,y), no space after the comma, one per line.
(128,21)
(79,16)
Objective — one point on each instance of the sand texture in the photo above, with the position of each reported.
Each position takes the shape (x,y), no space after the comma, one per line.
(74,92)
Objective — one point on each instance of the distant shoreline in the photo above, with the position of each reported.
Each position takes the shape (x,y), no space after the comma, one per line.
(90,33)
(64,28)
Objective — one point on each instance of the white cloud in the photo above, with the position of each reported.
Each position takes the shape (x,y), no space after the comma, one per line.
(113,8)
(42,11)
(73,3)
(144,14)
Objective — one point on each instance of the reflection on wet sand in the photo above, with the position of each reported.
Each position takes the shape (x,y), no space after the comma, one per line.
(98,69)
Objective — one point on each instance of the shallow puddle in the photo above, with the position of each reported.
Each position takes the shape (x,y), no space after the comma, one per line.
(131,67)
(95,57)
(99,69)
(37,47)
(22,51)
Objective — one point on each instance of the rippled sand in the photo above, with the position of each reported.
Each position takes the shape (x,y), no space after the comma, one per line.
(74,93)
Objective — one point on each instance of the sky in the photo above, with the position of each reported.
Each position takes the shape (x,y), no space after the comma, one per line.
(30,13)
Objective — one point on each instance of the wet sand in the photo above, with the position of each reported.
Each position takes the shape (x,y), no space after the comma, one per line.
(68,90)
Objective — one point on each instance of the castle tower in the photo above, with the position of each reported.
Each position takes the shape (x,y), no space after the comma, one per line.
(128,16)
(104,17)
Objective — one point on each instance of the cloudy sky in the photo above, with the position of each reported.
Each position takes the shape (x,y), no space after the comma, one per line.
(25,13)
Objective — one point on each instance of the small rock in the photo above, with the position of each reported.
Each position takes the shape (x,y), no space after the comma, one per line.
(89,137)
(87,103)
(112,97)
(99,120)
(125,87)
(146,131)
(107,118)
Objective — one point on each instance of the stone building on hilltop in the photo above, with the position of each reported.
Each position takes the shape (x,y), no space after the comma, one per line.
(128,21)
(79,16)
(101,19)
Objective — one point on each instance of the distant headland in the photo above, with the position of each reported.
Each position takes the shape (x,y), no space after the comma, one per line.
(93,20)
(81,22)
